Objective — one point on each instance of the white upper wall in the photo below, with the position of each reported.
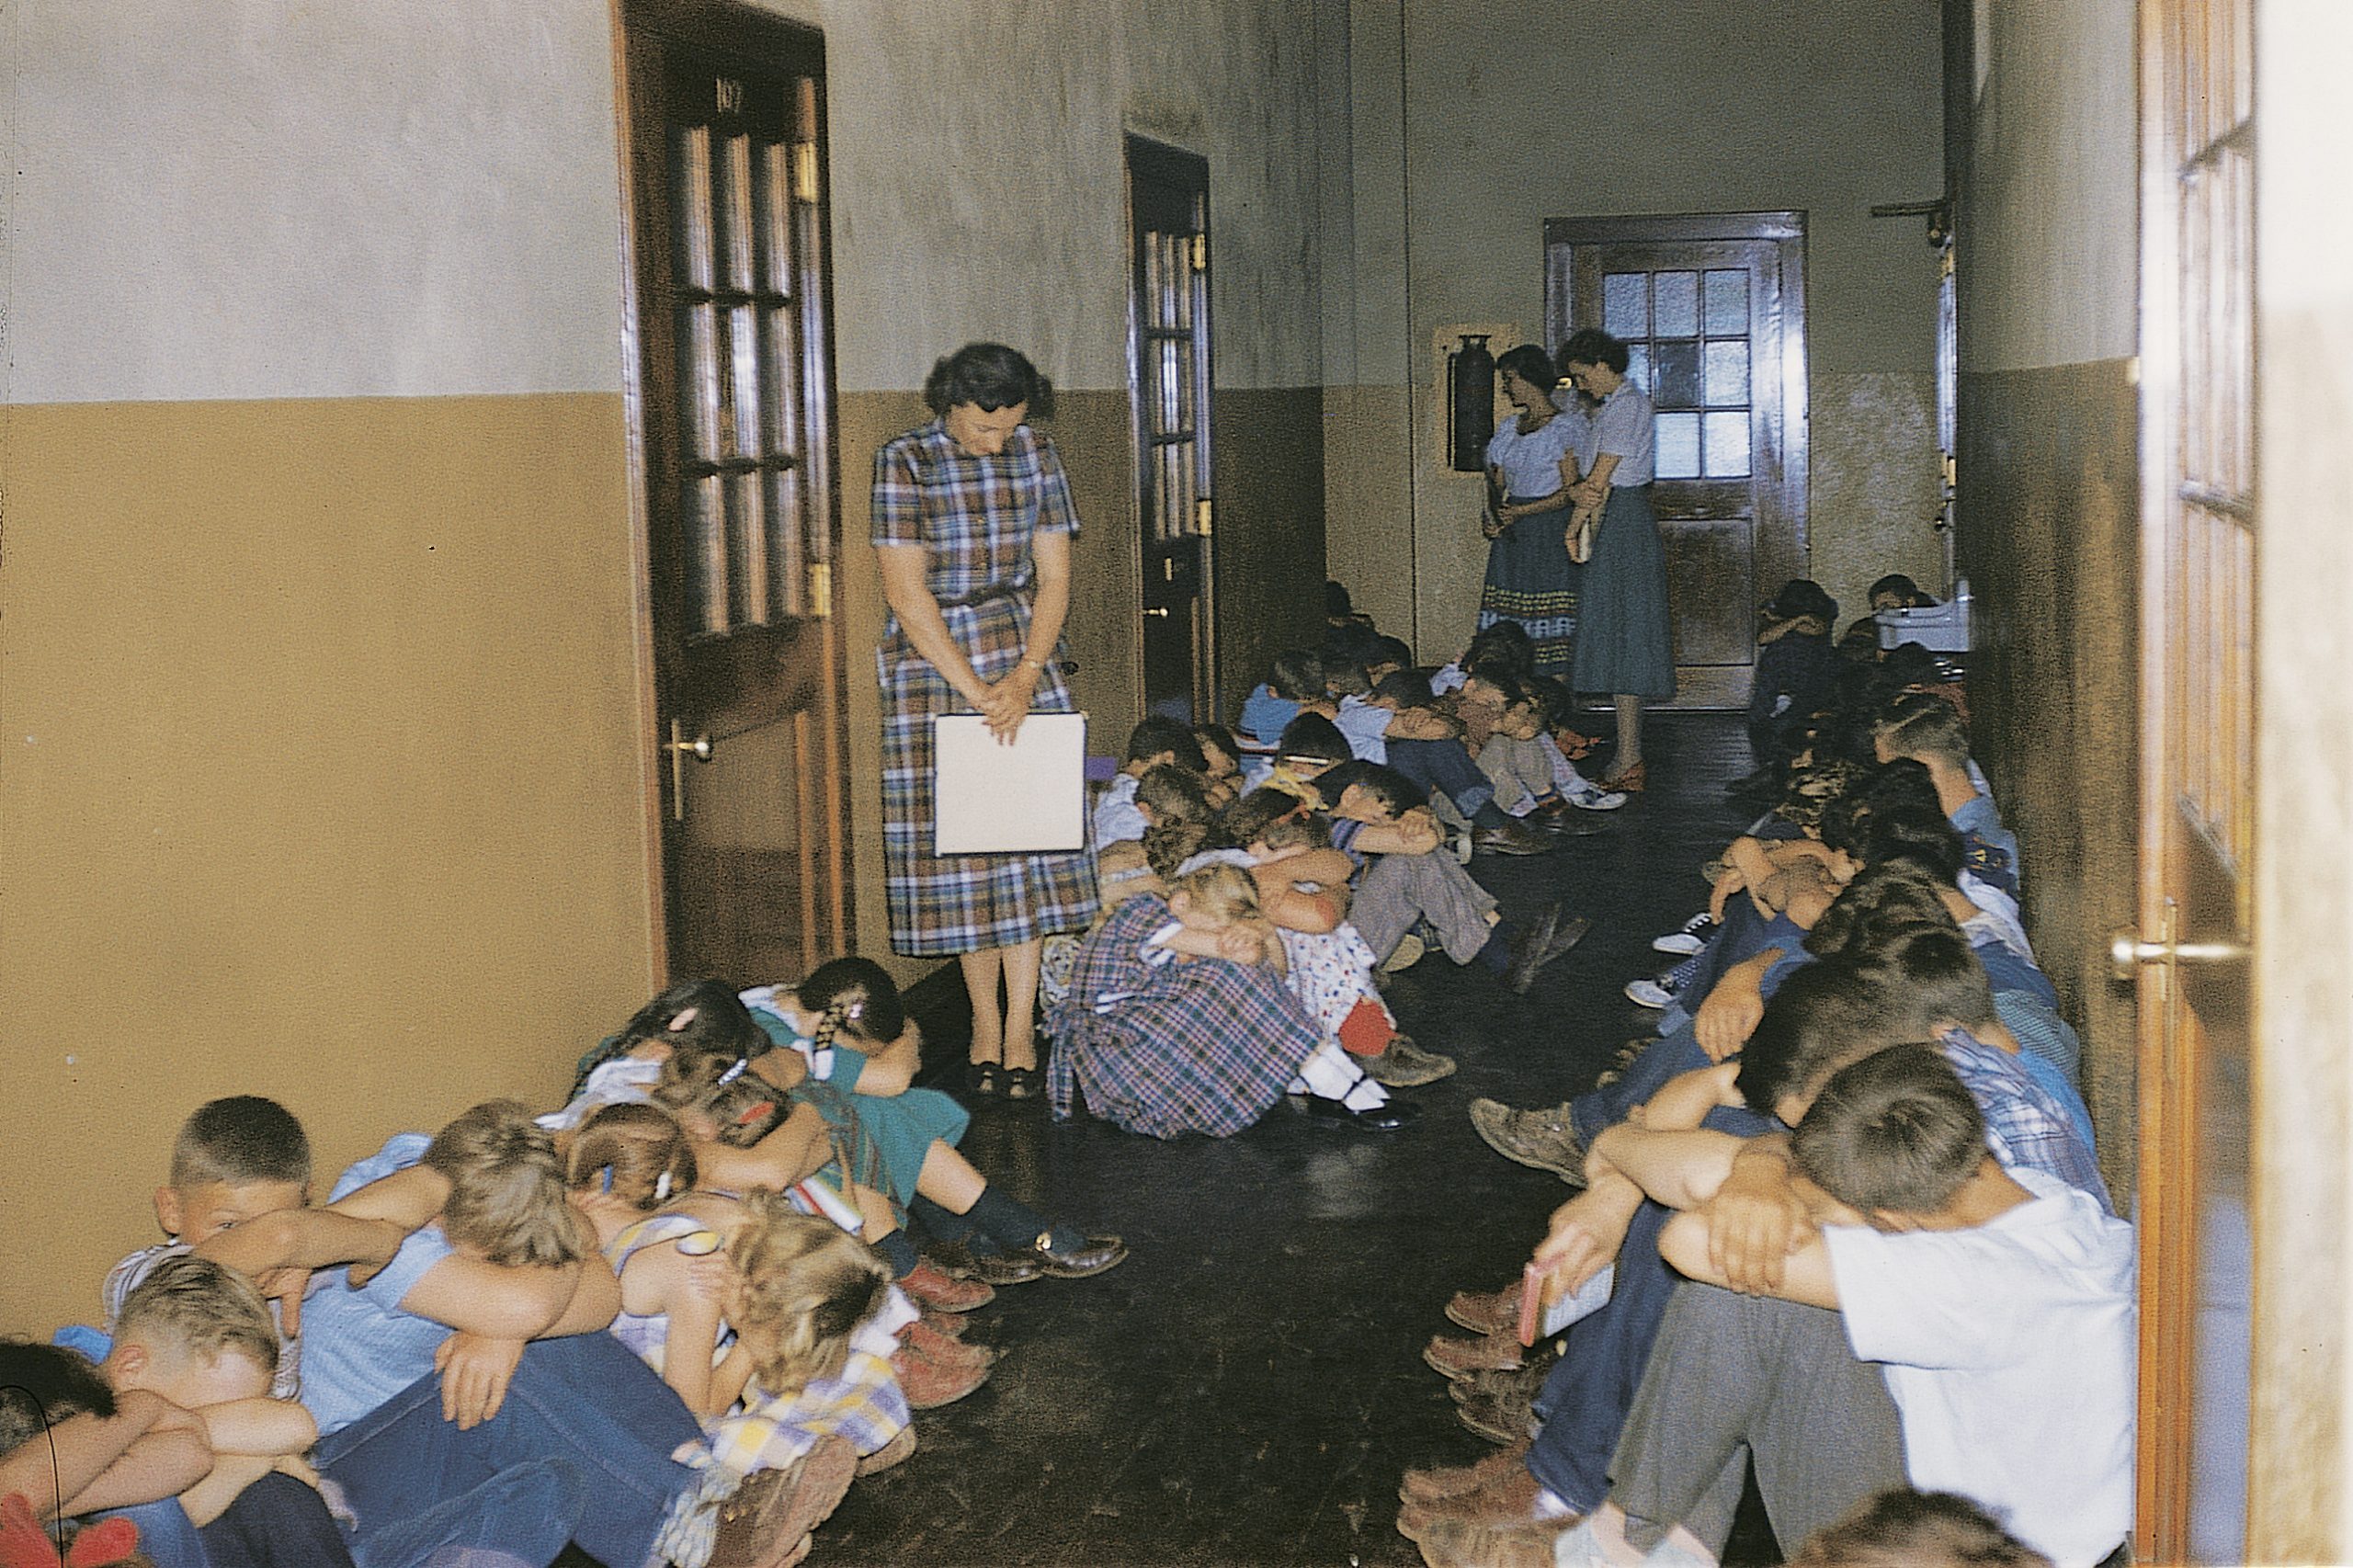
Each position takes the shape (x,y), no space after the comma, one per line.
(2055,239)
(244,198)
(979,179)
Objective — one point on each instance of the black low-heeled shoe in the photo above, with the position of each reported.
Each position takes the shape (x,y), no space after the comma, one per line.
(1090,1254)
(1021,1083)
(996,1268)
(1385,1118)
(981,1077)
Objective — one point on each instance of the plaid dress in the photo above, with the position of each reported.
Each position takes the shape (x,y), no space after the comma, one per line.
(973,516)
(1162,1046)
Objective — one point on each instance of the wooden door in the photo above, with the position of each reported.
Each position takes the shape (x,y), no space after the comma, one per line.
(729,351)
(1712,312)
(2198,685)
(1168,378)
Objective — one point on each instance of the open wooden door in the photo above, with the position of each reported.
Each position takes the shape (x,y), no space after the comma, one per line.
(1712,312)
(1168,375)
(2190,955)
(729,353)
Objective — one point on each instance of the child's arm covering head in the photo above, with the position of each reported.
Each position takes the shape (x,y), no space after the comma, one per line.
(110,1451)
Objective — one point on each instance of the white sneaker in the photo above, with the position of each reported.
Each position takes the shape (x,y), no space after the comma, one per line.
(1592,797)
(1463,847)
(1648,993)
(1691,938)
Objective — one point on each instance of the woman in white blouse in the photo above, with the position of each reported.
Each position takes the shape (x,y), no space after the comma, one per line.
(1531,462)
(1623,646)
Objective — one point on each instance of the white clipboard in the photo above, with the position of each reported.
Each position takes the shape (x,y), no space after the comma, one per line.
(998,799)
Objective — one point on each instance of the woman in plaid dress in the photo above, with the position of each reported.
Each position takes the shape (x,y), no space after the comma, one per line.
(973,524)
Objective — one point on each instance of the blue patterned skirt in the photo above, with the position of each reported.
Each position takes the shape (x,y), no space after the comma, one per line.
(1531,580)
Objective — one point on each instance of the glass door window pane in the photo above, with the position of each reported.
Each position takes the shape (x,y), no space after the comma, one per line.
(1638,365)
(734,194)
(1679,374)
(1679,446)
(1626,305)
(1675,304)
(1724,374)
(1727,295)
(1727,445)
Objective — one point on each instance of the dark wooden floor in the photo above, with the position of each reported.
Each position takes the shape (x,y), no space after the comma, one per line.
(1246,1388)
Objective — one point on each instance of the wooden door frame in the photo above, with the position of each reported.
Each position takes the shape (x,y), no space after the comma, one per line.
(722,27)
(1790,497)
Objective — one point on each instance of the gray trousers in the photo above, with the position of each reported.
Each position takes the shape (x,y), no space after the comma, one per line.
(1520,770)
(1735,1377)
(1398,890)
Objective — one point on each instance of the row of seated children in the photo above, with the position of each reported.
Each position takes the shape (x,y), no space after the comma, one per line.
(1849,1203)
(1234,961)
(667,1324)
(1486,750)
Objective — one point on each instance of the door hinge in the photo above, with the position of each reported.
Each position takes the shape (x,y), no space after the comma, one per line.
(1200,253)
(821,589)
(804,170)
(1204,517)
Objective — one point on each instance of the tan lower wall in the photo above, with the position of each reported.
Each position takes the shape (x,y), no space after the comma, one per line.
(1369,507)
(2049,538)
(320,781)
(1875,485)
(1270,531)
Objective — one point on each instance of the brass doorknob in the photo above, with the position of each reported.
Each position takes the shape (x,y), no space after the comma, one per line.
(699,748)
(1159,611)
(2127,951)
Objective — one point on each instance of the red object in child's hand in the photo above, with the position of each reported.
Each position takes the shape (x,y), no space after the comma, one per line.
(23,1544)
(1532,1302)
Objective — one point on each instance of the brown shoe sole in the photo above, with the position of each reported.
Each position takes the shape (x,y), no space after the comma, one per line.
(767,1523)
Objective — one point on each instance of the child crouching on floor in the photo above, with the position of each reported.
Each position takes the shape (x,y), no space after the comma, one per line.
(686,1260)
(1302,884)
(1178,1021)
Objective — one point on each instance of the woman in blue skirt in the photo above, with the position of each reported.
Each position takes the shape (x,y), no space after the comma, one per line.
(1623,646)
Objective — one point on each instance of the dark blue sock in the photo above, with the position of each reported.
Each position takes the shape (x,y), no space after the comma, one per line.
(898,1253)
(1015,1224)
(1495,957)
(948,1225)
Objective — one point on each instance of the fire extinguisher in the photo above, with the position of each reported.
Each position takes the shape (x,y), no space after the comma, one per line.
(1471,392)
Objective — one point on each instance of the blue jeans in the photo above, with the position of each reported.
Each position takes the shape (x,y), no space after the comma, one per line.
(277,1522)
(580,1451)
(165,1533)
(1447,767)
(1585,1401)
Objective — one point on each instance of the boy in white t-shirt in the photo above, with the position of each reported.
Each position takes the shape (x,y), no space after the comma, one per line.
(1997,1305)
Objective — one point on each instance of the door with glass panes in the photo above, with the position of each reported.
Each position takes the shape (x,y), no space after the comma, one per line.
(730,343)
(1713,313)
(1168,202)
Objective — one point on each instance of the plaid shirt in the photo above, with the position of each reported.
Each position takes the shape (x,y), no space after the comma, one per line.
(2025,1126)
(1159,1047)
